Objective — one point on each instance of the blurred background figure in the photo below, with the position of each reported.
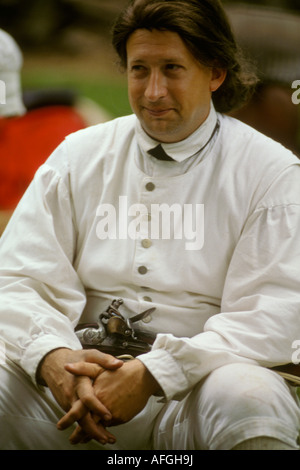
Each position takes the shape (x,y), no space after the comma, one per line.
(271,38)
(32,124)
(11,61)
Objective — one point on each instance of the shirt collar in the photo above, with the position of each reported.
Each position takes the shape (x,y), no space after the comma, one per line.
(184,149)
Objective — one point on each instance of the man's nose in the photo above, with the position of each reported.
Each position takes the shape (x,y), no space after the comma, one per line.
(156,86)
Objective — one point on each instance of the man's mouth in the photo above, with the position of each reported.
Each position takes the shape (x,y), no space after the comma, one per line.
(157,112)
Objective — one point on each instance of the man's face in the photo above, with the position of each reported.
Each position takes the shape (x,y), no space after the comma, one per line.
(169,90)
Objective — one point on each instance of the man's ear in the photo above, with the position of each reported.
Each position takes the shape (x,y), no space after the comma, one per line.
(217,78)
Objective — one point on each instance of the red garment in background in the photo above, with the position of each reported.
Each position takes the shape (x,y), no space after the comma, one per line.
(26,142)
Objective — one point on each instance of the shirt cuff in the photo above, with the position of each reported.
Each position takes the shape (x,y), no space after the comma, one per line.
(167,373)
(40,347)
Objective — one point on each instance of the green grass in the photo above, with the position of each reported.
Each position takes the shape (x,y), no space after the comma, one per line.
(109,93)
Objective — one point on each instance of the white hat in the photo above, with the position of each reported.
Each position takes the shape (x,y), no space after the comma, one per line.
(11,61)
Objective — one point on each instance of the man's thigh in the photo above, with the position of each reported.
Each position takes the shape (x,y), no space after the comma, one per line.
(234,403)
(28,418)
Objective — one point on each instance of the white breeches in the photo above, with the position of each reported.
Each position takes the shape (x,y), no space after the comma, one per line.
(234,403)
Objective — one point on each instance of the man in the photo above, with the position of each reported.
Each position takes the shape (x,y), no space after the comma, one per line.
(203,237)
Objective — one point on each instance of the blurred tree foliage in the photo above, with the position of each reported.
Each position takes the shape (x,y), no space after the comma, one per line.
(35,23)
(292,5)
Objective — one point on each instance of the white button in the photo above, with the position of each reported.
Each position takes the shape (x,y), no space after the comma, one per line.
(146,243)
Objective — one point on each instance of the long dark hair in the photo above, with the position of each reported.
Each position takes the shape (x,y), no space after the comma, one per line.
(205,29)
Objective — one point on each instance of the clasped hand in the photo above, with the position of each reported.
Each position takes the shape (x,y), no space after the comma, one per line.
(97,391)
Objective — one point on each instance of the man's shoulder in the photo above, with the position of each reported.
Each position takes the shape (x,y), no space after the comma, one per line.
(109,130)
(250,145)
(84,150)
(88,150)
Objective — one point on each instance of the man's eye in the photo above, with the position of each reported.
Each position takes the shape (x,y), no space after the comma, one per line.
(138,68)
(173,67)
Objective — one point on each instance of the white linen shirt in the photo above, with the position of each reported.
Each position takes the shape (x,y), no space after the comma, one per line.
(236,299)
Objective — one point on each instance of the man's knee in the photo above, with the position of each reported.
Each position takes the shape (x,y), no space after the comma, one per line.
(242,401)
(245,389)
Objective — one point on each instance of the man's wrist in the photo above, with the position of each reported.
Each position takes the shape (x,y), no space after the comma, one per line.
(151,383)
(45,365)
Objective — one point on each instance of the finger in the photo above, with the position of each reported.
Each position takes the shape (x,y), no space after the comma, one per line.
(89,429)
(87,400)
(84,440)
(88,369)
(86,393)
(76,412)
(105,360)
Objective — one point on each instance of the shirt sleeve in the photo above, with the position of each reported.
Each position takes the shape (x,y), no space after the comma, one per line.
(260,306)
(41,295)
